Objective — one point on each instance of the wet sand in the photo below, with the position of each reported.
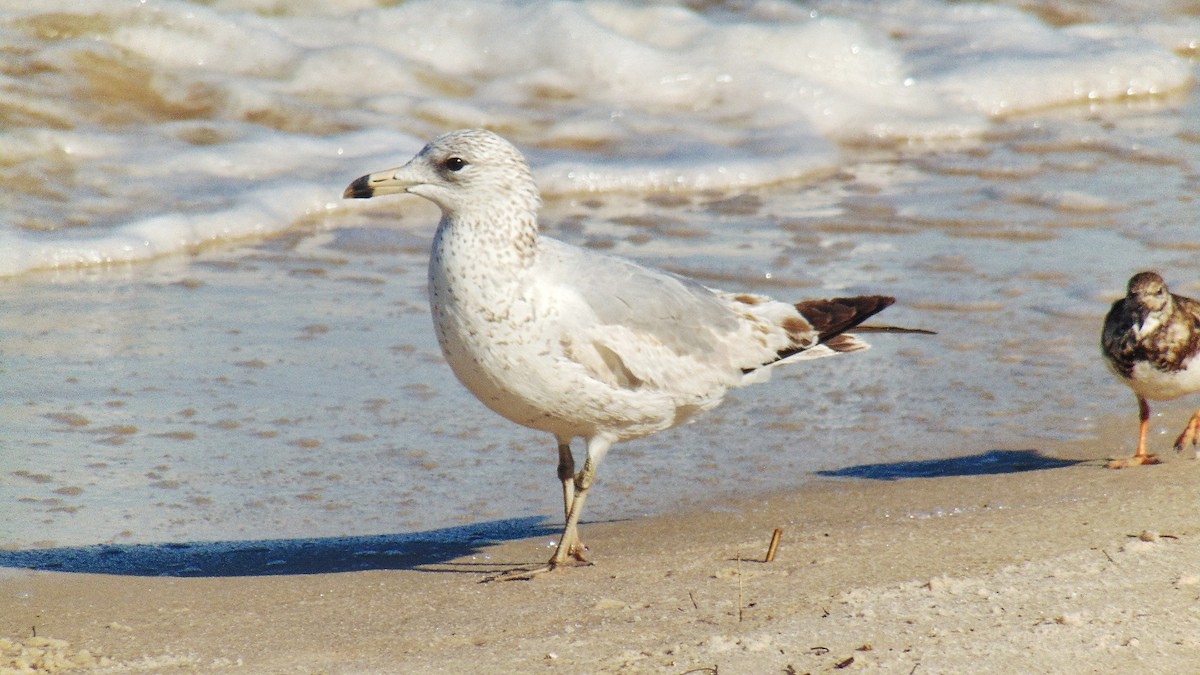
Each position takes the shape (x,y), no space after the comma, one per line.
(1063,568)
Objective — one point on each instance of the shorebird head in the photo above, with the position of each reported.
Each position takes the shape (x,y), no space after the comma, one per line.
(1148,290)
(1149,299)
(461,171)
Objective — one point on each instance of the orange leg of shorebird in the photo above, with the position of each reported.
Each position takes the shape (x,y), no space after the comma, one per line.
(1190,435)
(1141,457)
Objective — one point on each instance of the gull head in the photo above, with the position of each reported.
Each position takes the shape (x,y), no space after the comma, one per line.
(461,172)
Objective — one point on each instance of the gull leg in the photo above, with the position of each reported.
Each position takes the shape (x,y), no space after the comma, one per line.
(569,546)
(1190,435)
(570,482)
(1141,456)
(575,489)
(566,474)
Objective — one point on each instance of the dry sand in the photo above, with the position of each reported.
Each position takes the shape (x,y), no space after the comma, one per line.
(1077,569)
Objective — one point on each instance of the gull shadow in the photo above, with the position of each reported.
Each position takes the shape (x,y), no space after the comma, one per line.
(278,556)
(991,462)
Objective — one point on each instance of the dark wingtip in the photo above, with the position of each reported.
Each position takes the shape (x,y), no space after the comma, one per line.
(871,328)
(831,318)
(359,189)
(838,315)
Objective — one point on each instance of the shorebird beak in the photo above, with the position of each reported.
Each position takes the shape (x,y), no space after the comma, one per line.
(391,181)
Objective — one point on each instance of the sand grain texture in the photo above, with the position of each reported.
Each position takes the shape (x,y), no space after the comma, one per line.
(985,574)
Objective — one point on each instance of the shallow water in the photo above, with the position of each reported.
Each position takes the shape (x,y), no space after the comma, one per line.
(266,368)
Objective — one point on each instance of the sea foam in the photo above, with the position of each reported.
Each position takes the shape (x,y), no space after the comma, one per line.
(153,128)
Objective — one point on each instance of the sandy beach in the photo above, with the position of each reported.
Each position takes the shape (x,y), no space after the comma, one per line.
(231,442)
(1047,565)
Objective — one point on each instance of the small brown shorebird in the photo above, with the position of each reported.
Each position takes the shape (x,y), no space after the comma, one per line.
(1151,341)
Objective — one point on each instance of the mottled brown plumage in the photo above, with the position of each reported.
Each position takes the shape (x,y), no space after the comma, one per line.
(1151,339)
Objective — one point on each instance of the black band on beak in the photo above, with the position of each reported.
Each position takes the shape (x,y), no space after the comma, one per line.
(359,189)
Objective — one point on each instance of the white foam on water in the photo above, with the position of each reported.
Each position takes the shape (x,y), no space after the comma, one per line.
(1014,63)
(170,196)
(152,128)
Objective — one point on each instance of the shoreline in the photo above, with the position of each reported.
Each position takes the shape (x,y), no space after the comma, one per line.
(1067,569)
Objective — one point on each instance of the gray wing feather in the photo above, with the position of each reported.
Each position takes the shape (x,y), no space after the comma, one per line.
(660,304)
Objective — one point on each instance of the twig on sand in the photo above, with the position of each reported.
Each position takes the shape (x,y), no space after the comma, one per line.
(775,537)
(739,575)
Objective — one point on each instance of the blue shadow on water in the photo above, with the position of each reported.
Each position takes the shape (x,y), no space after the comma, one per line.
(279,556)
(991,462)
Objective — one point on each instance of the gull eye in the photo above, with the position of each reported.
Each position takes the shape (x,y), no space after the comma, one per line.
(455,164)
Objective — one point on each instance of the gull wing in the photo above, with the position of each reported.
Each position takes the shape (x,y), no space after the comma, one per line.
(634,326)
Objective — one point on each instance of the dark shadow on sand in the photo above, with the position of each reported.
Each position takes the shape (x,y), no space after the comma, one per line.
(991,462)
(279,556)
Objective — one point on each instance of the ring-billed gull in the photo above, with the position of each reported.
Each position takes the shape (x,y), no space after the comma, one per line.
(577,343)
(1151,340)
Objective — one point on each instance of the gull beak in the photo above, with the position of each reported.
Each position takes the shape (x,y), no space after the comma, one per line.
(391,181)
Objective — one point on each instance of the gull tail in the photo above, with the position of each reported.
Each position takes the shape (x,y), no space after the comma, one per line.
(831,319)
